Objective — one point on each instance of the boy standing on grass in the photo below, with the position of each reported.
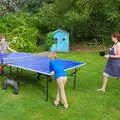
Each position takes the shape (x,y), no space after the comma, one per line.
(56,68)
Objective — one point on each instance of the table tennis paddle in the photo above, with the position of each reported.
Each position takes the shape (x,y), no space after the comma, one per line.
(102,53)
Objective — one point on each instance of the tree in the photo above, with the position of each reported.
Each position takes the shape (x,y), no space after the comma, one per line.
(22,5)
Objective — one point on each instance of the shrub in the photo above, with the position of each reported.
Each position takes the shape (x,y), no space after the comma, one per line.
(25,37)
(20,27)
(49,41)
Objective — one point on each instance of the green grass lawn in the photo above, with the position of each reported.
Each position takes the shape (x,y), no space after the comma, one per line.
(84,102)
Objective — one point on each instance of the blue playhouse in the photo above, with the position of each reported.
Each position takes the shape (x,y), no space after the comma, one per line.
(61,38)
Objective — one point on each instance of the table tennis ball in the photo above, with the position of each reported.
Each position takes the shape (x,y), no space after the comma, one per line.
(14,41)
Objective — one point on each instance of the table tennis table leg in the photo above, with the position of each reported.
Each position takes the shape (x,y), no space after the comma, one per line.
(10,70)
(75,77)
(47,84)
(1,65)
(21,71)
(38,76)
(47,87)
(17,70)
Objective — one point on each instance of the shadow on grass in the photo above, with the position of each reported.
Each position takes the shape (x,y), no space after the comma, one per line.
(28,77)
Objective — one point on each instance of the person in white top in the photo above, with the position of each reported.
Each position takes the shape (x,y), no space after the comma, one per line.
(4,47)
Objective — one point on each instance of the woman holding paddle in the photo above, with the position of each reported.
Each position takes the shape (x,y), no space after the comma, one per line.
(112,67)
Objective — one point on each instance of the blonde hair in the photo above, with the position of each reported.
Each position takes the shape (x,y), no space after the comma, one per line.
(52,55)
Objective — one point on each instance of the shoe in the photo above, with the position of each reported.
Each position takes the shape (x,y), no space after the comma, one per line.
(66,106)
(56,103)
(101,89)
(118,78)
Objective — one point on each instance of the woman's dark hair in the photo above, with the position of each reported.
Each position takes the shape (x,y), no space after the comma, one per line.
(116,35)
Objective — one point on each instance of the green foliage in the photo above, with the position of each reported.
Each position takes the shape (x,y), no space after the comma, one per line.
(2,8)
(49,41)
(22,5)
(46,19)
(103,20)
(29,5)
(21,28)
(25,37)
(85,20)
(12,21)
(76,25)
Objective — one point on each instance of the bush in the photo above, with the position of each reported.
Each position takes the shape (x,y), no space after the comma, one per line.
(20,27)
(49,41)
(25,37)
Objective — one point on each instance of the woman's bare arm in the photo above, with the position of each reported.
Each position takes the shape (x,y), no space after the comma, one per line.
(11,49)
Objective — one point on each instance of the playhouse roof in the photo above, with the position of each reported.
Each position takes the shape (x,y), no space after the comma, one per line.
(60,30)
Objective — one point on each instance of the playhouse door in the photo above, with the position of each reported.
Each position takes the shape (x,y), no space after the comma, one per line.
(62,44)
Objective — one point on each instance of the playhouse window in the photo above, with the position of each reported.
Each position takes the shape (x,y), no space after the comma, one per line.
(63,39)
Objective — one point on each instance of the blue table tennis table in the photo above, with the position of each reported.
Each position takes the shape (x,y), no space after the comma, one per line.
(38,64)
